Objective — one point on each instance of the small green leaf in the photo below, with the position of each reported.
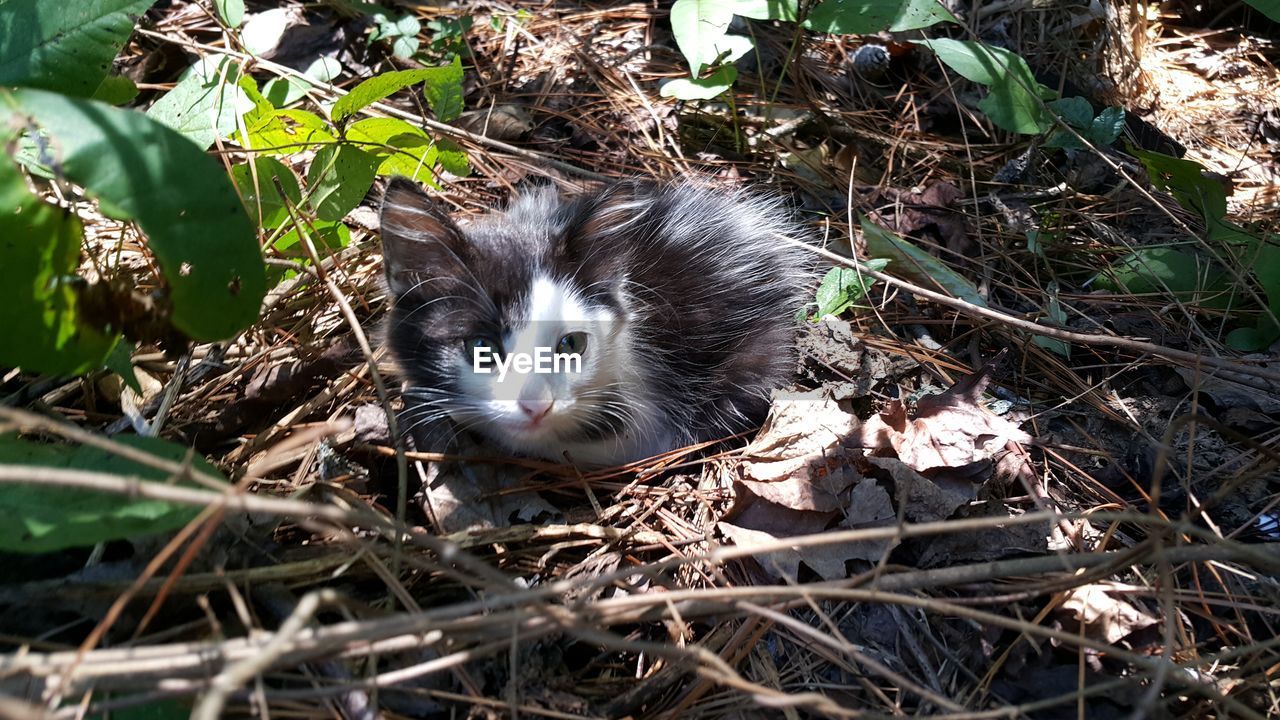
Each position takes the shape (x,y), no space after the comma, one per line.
(378,87)
(263,201)
(195,224)
(1074,111)
(40,311)
(843,287)
(702,89)
(286,90)
(284,132)
(205,104)
(1055,314)
(918,266)
(453,158)
(64,46)
(120,362)
(339,178)
(864,17)
(1186,181)
(44,518)
(1107,126)
(116,90)
(1012,102)
(698,25)
(1166,270)
(442,87)
(401,148)
(231,11)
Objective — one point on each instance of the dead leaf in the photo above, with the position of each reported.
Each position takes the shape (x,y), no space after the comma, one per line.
(1105,616)
(798,460)
(923,499)
(949,430)
(925,212)
(867,505)
(470,496)
(1227,393)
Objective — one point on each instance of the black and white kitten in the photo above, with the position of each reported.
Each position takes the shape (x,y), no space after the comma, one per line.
(678,304)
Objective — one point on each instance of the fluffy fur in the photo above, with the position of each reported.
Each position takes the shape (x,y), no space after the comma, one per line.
(684,297)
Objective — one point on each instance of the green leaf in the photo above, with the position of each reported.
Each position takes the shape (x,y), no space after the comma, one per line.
(44,518)
(205,104)
(1270,8)
(863,17)
(698,25)
(339,178)
(1107,126)
(44,329)
(195,224)
(120,362)
(1155,269)
(1058,316)
(443,89)
(116,90)
(231,11)
(452,158)
(401,148)
(264,201)
(284,132)
(1012,102)
(786,10)
(843,287)
(64,46)
(703,89)
(918,266)
(380,86)
(1074,111)
(1185,180)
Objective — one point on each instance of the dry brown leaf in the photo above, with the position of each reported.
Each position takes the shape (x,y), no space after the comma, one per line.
(949,430)
(1105,616)
(763,523)
(923,499)
(799,460)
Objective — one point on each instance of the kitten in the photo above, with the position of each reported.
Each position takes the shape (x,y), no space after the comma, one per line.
(672,308)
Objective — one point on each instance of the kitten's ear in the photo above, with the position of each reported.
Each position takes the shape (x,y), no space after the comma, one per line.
(600,225)
(418,237)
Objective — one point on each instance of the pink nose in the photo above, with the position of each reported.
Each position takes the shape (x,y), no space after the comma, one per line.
(536,409)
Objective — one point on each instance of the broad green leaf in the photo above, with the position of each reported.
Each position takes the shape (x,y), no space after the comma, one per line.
(703,89)
(286,90)
(1074,111)
(380,86)
(916,265)
(339,178)
(283,132)
(231,11)
(443,90)
(863,17)
(1186,181)
(401,148)
(44,329)
(63,46)
(787,10)
(205,104)
(42,518)
(264,201)
(1107,126)
(400,28)
(264,30)
(842,287)
(1012,102)
(1270,8)
(452,158)
(1167,270)
(195,224)
(698,25)
(333,235)
(116,90)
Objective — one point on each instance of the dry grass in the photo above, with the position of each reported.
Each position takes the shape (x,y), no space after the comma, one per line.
(311,594)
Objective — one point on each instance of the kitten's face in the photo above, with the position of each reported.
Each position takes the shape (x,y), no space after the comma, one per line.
(490,335)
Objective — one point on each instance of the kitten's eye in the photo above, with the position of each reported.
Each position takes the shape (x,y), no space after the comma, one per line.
(483,346)
(574,343)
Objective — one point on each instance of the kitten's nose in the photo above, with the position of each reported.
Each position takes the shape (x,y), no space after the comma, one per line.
(536,408)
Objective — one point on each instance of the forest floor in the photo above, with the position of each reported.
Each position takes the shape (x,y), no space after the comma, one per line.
(1092,533)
